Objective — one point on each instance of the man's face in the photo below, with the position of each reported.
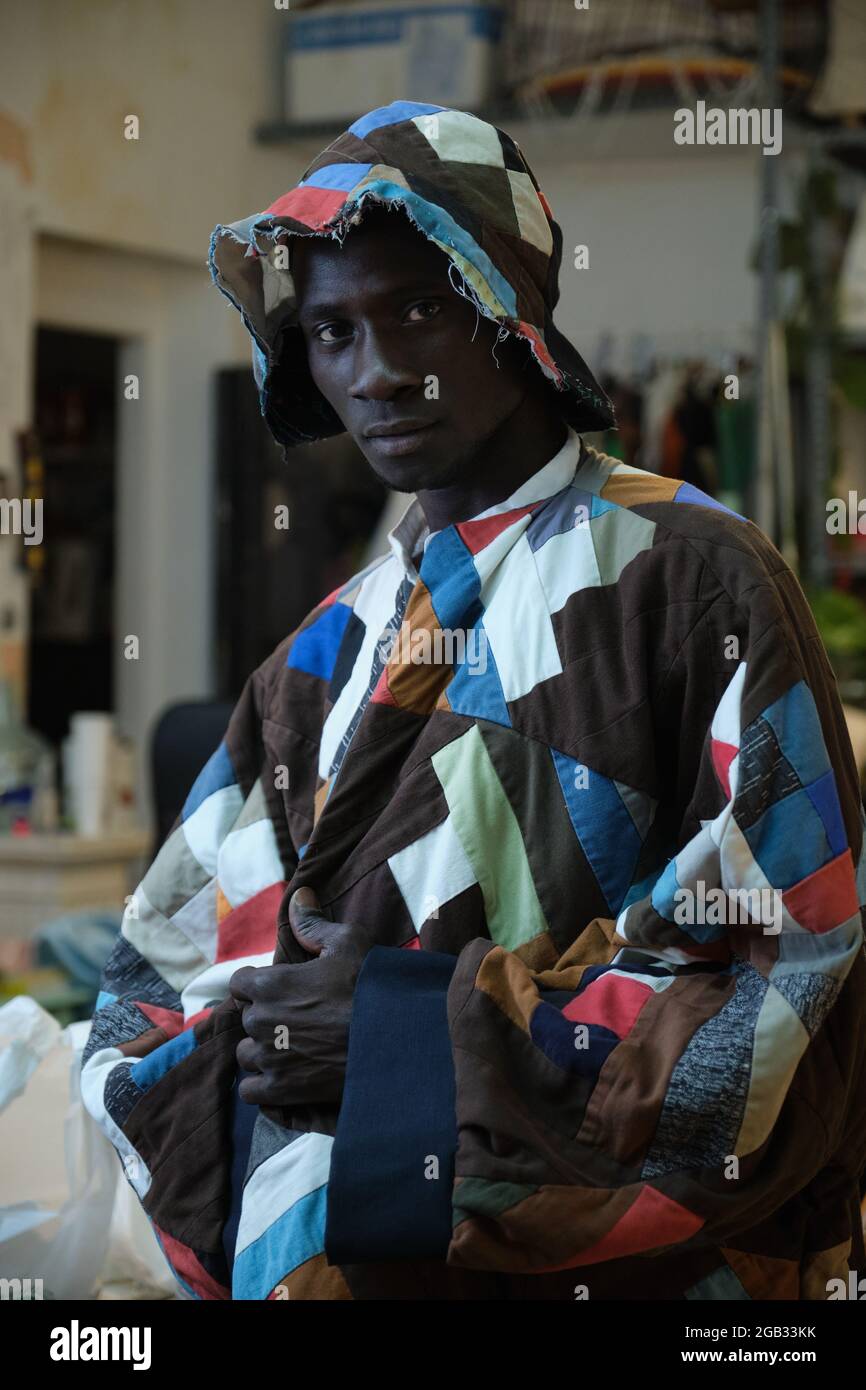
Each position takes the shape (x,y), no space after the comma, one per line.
(391,344)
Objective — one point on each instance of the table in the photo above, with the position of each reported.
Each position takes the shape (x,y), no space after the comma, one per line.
(44,875)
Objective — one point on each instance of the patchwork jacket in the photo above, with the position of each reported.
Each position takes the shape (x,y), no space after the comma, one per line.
(585,778)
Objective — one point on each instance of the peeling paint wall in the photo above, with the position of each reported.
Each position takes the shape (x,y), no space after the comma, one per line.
(102,233)
(198,76)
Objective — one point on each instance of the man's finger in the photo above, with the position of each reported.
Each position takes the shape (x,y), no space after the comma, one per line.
(258,1090)
(247,1053)
(243,983)
(310,927)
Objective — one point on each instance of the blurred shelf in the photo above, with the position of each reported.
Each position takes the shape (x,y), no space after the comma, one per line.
(280,132)
(66,847)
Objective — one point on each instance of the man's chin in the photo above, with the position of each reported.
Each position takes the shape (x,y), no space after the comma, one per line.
(416,474)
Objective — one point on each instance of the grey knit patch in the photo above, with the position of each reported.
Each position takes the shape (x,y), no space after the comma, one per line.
(706,1097)
(765,776)
(121,1093)
(127,972)
(116,1023)
(811,996)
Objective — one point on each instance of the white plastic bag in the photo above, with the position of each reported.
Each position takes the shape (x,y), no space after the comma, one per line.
(58,1172)
(67,1215)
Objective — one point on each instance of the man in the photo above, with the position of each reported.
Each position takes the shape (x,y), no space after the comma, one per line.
(552,811)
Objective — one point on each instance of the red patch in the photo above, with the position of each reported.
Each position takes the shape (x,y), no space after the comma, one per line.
(197,1018)
(652,1220)
(168,1019)
(312,206)
(251,929)
(827,898)
(723,756)
(539,347)
(186,1263)
(611,1002)
(477,534)
(382,694)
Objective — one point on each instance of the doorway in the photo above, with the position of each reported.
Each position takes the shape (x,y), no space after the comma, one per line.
(71,618)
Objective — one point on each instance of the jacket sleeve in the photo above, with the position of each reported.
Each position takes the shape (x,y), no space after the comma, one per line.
(206,905)
(686,1066)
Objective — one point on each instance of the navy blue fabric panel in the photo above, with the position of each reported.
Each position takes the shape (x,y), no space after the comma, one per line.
(346,656)
(584,1053)
(397,1122)
(243,1119)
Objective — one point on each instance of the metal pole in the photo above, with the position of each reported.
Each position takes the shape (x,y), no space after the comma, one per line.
(764,499)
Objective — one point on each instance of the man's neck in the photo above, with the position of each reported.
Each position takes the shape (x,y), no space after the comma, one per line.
(526,441)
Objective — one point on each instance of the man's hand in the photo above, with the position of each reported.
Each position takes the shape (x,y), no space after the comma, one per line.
(297,1016)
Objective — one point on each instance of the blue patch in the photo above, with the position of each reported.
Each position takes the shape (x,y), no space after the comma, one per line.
(476,693)
(687,492)
(797,726)
(392,115)
(560,514)
(789,841)
(295,1237)
(825,799)
(153,1068)
(216,774)
(343,176)
(603,825)
(861,862)
(103,999)
(448,570)
(722,1284)
(641,889)
(315,650)
(665,904)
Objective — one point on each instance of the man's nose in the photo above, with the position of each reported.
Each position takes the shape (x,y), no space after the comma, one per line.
(380,368)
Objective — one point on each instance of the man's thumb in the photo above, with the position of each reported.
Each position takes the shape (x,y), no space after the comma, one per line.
(310,927)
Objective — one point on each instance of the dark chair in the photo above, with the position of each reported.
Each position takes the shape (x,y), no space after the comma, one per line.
(183,739)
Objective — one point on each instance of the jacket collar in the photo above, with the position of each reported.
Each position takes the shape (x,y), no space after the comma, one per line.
(412,533)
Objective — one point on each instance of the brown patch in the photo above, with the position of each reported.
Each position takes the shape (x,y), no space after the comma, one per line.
(319,799)
(817,1269)
(145,1042)
(597,944)
(539,954)
(315,1279)
(507,981)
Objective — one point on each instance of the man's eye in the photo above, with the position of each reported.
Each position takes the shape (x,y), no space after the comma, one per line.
(426,304)
(327,328)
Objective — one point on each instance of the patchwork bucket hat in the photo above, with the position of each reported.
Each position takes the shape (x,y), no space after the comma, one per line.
(462,182)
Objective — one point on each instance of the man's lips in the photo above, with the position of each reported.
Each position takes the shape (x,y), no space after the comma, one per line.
(396,427)
(399,436)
